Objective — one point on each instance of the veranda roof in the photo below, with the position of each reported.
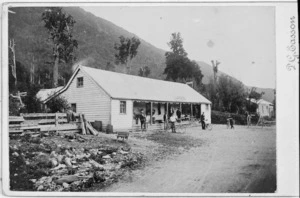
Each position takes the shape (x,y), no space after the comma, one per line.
(124,86)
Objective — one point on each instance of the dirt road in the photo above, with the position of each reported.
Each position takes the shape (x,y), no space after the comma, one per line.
(239,160)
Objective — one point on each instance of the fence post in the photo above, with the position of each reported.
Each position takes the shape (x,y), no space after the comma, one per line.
(82,124)
(56,122)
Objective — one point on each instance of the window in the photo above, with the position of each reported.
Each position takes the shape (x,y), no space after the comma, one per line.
(123,107)
(80,82)
(207,107)
(73,107)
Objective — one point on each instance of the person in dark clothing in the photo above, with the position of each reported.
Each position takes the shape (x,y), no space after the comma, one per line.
(202,119)
(143,120)
(231,122)
(70,115)
(178,112)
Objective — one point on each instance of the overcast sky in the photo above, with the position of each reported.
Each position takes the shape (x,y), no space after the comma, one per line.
(241,38)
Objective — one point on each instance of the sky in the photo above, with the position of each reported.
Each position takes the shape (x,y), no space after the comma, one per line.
(241,38)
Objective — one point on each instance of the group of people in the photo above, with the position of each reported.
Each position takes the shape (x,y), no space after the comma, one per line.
(175,116)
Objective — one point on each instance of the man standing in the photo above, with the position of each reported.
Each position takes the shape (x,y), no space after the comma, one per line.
(143,120)
(202,119)
(178,112)
(248,119)
(231,122)
(173,120)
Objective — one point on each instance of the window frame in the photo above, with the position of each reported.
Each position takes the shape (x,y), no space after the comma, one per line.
(72,105)
(123,107)
(79,82)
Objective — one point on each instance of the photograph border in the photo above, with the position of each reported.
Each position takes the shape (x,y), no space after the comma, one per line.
(287,92)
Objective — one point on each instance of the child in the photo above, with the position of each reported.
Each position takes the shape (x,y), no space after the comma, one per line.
(231,122)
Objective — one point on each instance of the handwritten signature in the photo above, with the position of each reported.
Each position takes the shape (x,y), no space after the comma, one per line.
(292,57)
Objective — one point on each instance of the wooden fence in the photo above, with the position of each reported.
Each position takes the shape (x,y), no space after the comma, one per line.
(44,122)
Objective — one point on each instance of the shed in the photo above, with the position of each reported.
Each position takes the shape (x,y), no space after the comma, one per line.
(264,108)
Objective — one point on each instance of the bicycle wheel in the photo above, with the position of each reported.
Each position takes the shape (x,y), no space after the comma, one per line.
(209,127)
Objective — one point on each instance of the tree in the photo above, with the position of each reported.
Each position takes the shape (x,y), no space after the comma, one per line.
(178,66)
(274,103)
(58,104)
(176,45)
(59,26)
(126,50)
(252,98)
(13,61)
(109,67)
(144,71)
(231,94)
(215,69)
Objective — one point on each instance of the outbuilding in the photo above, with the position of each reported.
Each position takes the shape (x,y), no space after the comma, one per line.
(264,108)
(117,99)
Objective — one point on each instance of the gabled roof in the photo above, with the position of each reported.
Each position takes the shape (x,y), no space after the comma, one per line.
(124,86)
(260,101)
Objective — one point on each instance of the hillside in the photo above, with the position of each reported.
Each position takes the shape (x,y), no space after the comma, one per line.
(268,93)
(96,38)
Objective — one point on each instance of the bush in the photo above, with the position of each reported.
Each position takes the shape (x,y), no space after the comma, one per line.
(14,107)
(218,117)
(58,104)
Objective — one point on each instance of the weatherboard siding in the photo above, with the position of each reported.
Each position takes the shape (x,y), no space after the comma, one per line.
(90,99)
(121,120)
(206,108)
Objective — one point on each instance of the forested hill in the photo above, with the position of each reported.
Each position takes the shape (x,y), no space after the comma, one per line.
(96,38)
(207,71)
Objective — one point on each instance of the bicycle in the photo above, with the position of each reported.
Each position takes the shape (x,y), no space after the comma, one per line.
(194,122)
(208,126)
(180,127)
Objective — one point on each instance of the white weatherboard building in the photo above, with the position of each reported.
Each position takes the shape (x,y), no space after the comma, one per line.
(118,99)
(264,108)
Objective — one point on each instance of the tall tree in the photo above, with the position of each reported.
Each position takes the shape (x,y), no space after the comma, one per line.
(176,45)
(274,103)
(13,61)
(178,66)
(215,69)
(231,94)
(126,50)
(59,26)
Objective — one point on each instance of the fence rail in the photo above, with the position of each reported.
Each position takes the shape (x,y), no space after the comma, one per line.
(45,122)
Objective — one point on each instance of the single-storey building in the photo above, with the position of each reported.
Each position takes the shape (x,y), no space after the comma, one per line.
(264,108)
(117,99)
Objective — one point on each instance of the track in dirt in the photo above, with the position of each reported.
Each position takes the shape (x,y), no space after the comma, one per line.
(242,160)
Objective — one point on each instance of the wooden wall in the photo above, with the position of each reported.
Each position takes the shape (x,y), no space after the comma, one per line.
(118,120)
(91,100)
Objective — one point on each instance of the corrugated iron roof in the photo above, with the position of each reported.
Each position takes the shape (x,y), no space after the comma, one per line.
(43,94)
(124,86)
(260,101)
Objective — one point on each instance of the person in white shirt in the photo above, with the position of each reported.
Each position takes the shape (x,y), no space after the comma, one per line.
(173,119)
